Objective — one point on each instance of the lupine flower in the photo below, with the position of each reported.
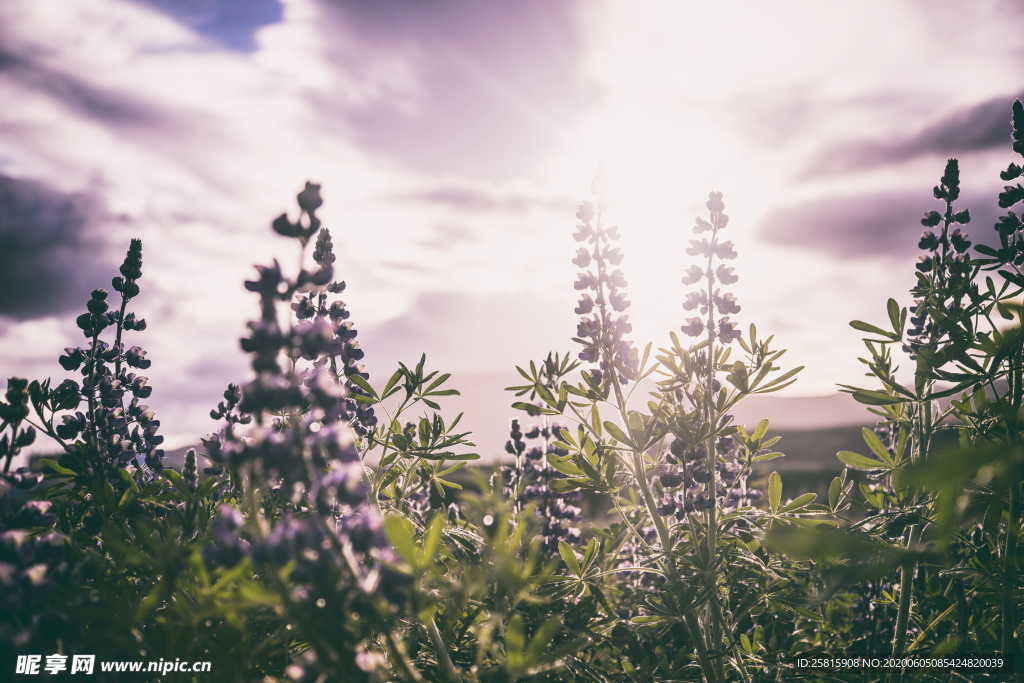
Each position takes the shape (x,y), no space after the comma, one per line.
(302,439)
(226,548)
(603,325)
(685,482)
(709,299)
(345,353)
(528,480)
(116,428)
(943,271)
(1010,226)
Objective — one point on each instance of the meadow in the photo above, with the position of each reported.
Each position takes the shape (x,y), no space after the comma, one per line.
(334,527)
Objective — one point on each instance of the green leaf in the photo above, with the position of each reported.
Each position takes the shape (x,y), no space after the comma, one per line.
(893,309)
(565,466)
(860,462)
(424,431)
(392,381)
(617,433)
(546,395)
(774,491)
(432,539)
(835,489)
(767,456)
(647,620)
(462,456)
(402,535)
(569,557)
(441,379)
(876,398)
(532,409)
(566,485)
(873,498)
(54,466)
(779,382)
(361,382)
(876,445)
(871,329)
(799,502)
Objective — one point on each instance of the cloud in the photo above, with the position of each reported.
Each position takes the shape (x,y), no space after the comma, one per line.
(874,224)
(475,199)
(51,254)
(106,105)
(492,87)
(447,236)
(980,126)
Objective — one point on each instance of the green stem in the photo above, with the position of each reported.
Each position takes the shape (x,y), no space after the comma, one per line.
(710,671)
(1008,610)
(906,590)
(447,667)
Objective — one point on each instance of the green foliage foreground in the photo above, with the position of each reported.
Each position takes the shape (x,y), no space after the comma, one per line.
(333,538)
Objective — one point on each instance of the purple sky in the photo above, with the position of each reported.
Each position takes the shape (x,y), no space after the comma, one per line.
(453,139)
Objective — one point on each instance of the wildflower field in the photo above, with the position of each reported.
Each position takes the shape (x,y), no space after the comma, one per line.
(496,341)
(335,526)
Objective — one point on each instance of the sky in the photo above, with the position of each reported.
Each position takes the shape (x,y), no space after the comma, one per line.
(453,140)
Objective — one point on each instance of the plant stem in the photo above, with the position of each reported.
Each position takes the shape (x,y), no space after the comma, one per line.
(120,330)
(445,662)
(1008,615)
(906,591)
(689,616)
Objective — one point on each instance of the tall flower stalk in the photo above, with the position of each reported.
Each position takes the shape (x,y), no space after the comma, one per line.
(604,323)
(709,299)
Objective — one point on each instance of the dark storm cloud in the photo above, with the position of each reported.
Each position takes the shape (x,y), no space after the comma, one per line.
(498,84)
(232,23)
(465,198)
(977,127)
(869,225)
(50,256)
(109,107)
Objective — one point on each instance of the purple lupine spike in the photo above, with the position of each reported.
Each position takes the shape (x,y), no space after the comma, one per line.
(707,276)
(603,323)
